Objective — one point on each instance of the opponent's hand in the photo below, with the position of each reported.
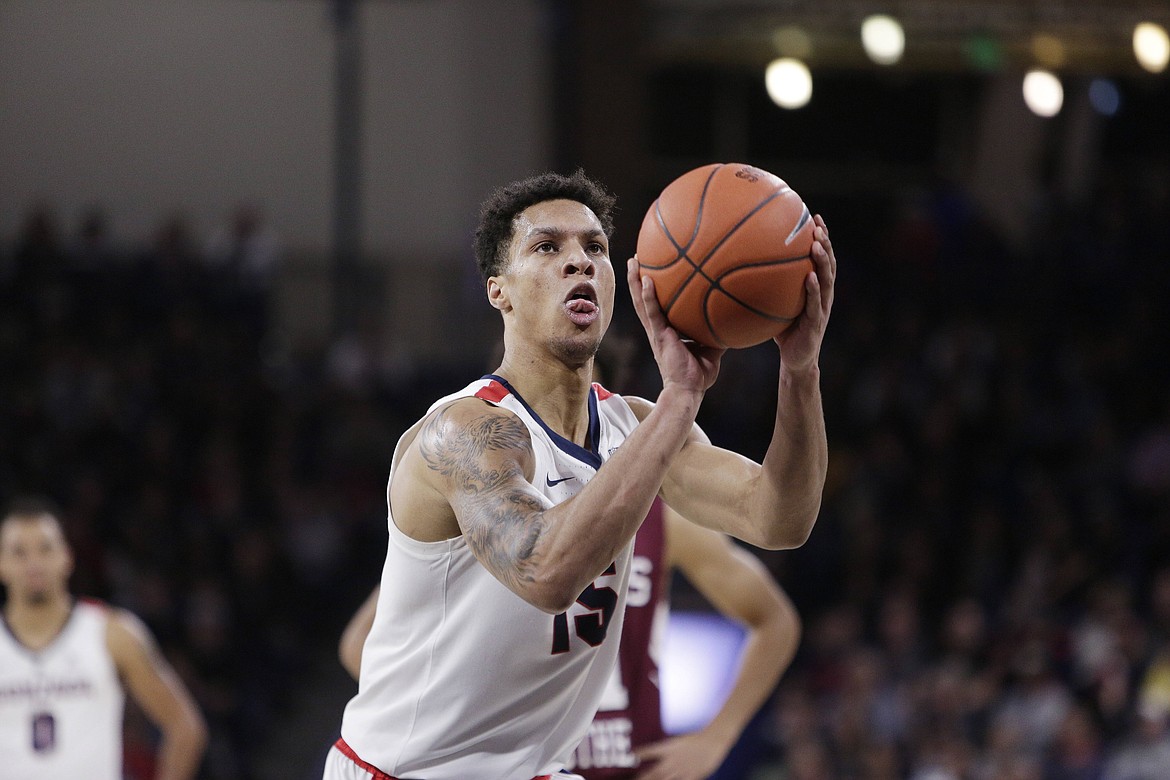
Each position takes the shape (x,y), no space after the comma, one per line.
(800,344)
(687,364)
(689,757)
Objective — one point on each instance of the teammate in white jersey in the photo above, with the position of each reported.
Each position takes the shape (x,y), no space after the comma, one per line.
(65,666)
(514,502)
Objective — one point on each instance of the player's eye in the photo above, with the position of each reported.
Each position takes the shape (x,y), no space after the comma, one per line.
(596,248)
(544,247)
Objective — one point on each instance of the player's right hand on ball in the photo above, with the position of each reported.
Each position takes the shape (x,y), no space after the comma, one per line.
(686,365)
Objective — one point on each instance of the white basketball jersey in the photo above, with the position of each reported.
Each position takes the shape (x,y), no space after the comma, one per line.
(460,677)
(61,707)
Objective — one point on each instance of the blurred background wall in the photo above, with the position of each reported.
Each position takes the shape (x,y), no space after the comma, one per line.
(152,106)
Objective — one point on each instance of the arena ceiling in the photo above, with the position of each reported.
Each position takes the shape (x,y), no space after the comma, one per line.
(1086,36)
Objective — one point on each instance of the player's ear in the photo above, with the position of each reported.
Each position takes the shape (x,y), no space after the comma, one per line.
(497,295)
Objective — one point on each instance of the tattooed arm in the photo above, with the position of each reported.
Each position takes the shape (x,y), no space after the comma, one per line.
(482,459)
(468,472)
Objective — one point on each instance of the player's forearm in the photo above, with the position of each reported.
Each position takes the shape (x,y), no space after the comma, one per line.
(586,533)
(181,751)
(794,468)
(768,651)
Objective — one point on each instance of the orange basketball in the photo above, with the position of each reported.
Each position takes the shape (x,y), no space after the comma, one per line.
(728,247)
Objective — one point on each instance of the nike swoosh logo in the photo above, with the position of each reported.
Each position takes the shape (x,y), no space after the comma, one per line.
(553,482)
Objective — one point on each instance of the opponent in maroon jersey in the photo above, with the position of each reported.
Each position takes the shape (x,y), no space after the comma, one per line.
(626,738)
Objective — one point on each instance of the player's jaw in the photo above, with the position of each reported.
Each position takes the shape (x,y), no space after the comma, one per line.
(37,597)
(32,585)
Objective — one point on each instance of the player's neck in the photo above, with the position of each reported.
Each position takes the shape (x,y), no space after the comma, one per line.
(37,623)
(559,394)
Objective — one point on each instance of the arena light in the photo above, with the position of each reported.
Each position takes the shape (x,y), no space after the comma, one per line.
(1151,46)
(789,82)
(883,39)
(1043,93)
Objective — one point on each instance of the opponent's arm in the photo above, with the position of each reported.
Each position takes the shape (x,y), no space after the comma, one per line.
(353,636)
(157,689)
(773,504)
(737,584)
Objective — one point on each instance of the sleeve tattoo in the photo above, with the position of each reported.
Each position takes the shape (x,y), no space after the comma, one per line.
(500,519)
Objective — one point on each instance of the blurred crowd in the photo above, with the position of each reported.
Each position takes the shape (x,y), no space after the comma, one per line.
(985,597)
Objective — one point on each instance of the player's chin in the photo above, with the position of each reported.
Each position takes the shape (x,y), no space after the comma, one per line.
(38,596)
(580,347)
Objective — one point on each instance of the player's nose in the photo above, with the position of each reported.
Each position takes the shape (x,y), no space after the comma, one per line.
(579,262)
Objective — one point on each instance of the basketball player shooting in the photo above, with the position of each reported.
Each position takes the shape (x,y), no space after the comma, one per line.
(514,502)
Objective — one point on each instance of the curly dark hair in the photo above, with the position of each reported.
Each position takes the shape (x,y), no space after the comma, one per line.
(494,231)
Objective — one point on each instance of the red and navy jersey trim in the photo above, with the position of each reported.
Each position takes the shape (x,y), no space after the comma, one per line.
(602,393)
(492,393)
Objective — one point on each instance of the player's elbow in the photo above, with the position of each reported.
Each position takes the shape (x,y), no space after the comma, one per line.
(779,628)
(554,595)
(789,626)
(788,535)
(556,581)
(551,602)
(189,733)
(200,736)
(558,585)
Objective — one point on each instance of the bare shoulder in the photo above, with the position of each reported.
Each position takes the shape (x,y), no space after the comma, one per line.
(465,447)
(127,637)
(463,431)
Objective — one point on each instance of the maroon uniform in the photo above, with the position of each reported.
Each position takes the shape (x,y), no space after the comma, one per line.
(630,714)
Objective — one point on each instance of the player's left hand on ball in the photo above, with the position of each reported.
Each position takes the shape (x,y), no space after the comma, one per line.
(800,345)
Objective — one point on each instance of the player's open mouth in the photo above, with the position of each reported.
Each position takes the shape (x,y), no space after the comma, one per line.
(581,305)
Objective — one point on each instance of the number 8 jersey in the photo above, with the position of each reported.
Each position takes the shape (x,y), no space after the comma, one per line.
(61,706)
(462,678)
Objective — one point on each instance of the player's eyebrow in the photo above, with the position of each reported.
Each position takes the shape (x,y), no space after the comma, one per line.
(558,233)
